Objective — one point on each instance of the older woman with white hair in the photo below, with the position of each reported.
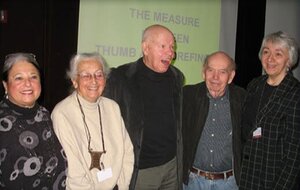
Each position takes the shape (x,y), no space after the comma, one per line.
(271,119)
(91,130)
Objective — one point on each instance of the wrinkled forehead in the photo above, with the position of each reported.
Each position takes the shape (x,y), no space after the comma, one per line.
(219,60)
(89,63)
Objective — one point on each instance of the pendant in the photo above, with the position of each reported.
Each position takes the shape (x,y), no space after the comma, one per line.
(95,159)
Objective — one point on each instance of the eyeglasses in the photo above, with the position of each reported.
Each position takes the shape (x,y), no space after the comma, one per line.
(98,75)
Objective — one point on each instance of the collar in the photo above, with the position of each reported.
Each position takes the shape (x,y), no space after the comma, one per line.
(225,95)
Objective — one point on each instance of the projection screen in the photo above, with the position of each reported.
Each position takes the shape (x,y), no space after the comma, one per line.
(114,28)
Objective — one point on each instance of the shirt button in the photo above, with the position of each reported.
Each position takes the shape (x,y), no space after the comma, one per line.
(211,150)
(212,135)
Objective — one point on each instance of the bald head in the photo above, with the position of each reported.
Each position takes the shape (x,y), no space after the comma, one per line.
(154,30)
(220,55)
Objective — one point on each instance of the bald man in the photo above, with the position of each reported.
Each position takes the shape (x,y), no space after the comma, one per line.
(149,92)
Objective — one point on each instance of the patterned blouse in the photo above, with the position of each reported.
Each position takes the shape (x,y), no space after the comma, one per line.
(31,156)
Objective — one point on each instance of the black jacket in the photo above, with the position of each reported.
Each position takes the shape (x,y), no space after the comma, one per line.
(272,162)
(122,86)
(195,111)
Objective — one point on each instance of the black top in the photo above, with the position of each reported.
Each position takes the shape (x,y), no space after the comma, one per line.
(258,101)
(159,137)
(31,156)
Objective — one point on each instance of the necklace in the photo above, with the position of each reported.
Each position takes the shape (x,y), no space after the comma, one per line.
(260,105)
(95,155)
(264,100)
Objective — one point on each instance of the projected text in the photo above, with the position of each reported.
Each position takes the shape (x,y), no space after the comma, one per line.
(163,17)
(108,50)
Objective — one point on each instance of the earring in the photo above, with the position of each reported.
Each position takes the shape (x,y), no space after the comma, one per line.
(6,95)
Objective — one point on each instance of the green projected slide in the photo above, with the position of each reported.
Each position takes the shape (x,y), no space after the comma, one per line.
(114,28)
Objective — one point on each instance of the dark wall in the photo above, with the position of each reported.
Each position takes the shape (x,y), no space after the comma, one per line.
(48,29)
(249,35)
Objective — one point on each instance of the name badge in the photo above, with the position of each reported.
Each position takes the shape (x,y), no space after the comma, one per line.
(257,133)
(104,174)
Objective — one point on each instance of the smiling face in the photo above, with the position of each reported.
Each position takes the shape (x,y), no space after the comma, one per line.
(275,61)
(23,84)
(217,74)
(90,80)
(158,49)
